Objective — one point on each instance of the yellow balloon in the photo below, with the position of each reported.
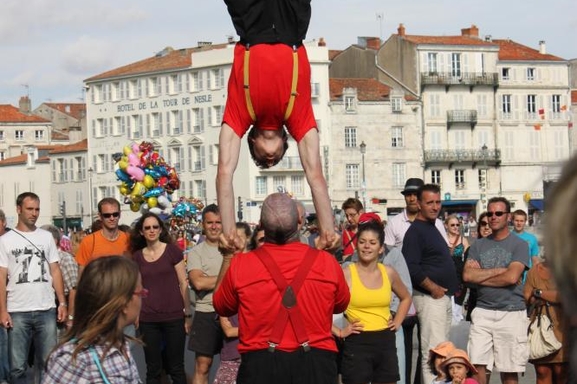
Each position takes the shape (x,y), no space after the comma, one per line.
(124,190)
(152,202)
(134,207)
(126,150)
(148,181)
(123,165)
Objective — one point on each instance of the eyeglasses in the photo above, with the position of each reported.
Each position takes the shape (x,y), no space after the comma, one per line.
(109,215)
(149,227)
(453,225)
(496,213)
(143,293)
(483,224)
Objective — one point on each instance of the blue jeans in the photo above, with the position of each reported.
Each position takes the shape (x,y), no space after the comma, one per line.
(4,367)
(37,325)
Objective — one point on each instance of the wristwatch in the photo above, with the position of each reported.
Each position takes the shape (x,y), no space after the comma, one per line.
(537,293)
(70,317)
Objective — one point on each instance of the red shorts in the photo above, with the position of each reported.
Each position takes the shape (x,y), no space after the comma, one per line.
(270,79)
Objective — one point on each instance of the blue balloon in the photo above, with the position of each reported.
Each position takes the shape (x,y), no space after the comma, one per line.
(154,192)
(122,176)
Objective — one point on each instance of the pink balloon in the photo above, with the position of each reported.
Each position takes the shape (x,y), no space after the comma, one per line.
(133,159)
(135,148)
(135,173)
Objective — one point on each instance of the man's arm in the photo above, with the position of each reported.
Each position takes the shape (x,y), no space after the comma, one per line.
(200,281)
(58,285)
(225,300)
(228,152)
(492,277)
(311,161)
(5,319)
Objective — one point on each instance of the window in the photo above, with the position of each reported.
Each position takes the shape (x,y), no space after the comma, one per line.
(349,103)
(397,104)
(460,178)
(39,135)
(460,139)
(398,175)
(217,115)
(482,178)
(556,104)
(297,185)
(2,135)
(482,110)
(352,175)
(261,185)
(456,64)
(397,137)
(216,79)
(350,137)
(198,82)
(19,135)
(506,106)
(531,72)
(531,106)
(435,140)
(506,73)
(436,176)
(432,62)
(198,116)
(196,157)
(278,182)
(200,188)
(534,145)
(2,155)
(435,105)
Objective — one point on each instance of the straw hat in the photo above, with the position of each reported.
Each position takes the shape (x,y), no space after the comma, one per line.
(458,356)
(443,349)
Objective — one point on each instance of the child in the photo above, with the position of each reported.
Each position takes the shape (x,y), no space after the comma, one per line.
(458,368)
(436,357)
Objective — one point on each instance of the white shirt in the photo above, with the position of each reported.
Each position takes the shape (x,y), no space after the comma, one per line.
(27,257)
(397,227)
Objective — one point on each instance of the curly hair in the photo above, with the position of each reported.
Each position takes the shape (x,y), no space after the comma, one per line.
(137,240)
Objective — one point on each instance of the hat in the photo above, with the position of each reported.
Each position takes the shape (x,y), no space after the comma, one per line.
(412,185)
(369,216)
(443,349)
(458,356)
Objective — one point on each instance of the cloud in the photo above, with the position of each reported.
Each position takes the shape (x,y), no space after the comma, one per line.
(87,55)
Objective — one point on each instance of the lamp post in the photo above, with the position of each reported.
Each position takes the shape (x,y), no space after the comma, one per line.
(484,152)
(364,185)
(90,202)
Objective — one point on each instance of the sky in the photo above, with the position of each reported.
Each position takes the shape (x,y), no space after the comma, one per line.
(48,47)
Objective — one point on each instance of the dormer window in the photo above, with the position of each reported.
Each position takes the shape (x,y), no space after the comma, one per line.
(531,72)
(349,103)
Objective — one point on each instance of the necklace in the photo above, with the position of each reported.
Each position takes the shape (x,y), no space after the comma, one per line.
(113,237)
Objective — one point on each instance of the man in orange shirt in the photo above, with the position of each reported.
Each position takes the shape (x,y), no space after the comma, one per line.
(108,241)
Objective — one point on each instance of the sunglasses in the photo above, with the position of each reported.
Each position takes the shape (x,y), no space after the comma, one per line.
(453,225)
(143,293)
(149,227)
(483,224)
(496,213)
(109,215)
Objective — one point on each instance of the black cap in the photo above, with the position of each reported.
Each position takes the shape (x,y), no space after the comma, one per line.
(412,185)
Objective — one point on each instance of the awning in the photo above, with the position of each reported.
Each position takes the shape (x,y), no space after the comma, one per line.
(449,203)
(537,204)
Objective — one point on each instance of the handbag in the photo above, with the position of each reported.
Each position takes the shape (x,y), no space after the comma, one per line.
(542,340)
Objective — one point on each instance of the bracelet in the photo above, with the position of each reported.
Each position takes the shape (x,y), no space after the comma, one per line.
(70,317)
(63,305)
(189,316)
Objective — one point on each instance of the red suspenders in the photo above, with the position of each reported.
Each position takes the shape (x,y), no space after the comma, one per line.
(289,309)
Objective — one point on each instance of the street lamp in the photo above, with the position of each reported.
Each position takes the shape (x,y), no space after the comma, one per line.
(90,202)
(364,185)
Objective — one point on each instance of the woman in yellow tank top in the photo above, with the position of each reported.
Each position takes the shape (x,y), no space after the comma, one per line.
(369,353)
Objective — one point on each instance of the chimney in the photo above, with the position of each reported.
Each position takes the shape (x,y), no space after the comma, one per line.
(25,105)
(401,30)
(542,47)
(322,42)
(473,31)
(373,43)
(488,38)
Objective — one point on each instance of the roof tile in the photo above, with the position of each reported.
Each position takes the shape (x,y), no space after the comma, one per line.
(11,114)
(510,50)
(367,89)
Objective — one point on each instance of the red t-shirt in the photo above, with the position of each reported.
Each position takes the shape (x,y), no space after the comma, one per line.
(270,79)
(349,242)
(248,288)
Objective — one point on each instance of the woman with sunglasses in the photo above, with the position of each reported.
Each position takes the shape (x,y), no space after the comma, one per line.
(95,349)
(483,230)
(458,244)
(165,318)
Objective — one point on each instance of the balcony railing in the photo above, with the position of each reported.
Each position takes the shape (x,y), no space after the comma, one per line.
(475,157)
(462,116)
(464,78)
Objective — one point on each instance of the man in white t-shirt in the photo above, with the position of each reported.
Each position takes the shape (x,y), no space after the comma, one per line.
(29,263)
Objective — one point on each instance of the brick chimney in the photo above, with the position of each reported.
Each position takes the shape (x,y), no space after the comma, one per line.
(373,43)
(401,30)
(473,31)
(25,105)
(322,42)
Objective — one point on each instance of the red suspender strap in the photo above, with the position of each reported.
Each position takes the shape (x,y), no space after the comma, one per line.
(289,293)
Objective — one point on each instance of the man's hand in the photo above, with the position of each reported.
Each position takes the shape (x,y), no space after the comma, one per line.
(230,244)
(62,314)
(473,264)
(328,242)
(438,292)
(5,320)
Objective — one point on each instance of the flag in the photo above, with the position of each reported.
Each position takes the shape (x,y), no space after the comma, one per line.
(563,107)
(537,127)
(570,125)
(541,111)
(542,117)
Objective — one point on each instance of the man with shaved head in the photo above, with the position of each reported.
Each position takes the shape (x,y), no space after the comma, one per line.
(285,293)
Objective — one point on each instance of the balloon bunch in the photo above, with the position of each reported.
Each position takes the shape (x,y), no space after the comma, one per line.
(147,181)
(185,219)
